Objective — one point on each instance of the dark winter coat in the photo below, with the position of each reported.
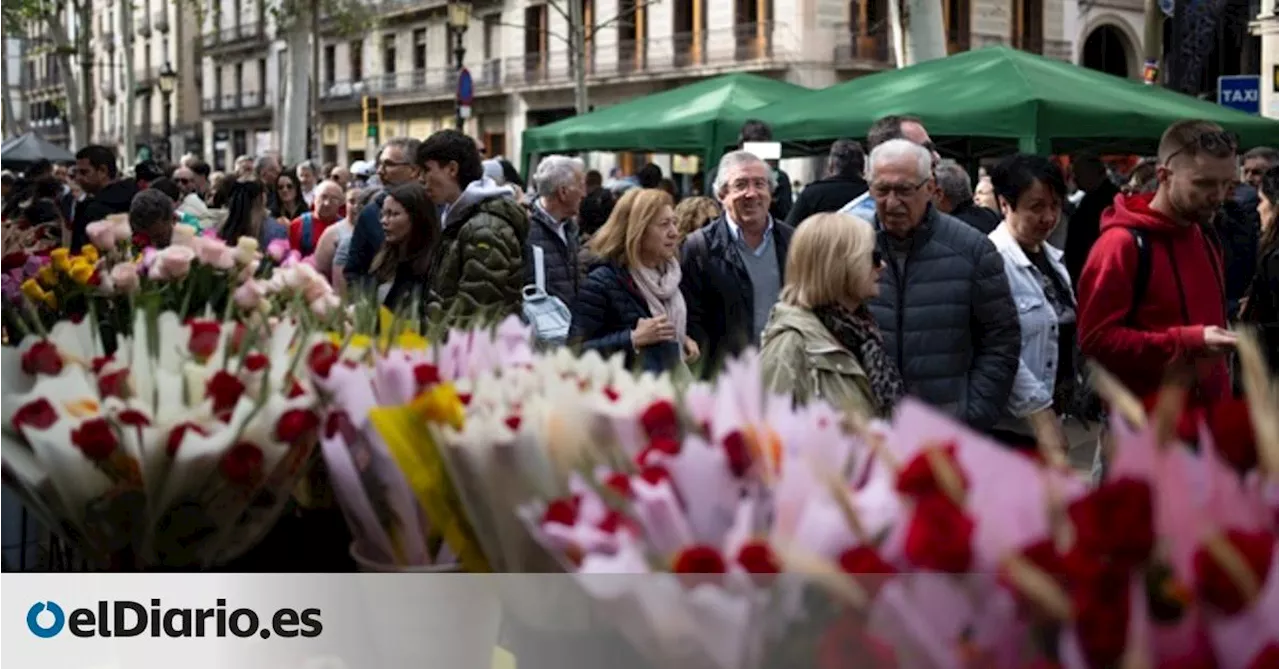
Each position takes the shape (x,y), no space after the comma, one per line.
(607,309)
(559,256)
(479,268)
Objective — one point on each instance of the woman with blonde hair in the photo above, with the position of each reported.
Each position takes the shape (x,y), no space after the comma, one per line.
(694,212)
(821,342)
(631,301)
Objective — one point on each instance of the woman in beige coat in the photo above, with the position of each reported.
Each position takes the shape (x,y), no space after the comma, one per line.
(820,341)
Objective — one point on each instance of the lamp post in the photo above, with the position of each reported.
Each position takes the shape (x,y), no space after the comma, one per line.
(167,81)
(459,19)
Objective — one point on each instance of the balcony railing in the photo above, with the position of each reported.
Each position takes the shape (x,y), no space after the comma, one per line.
(860,47)
(437,82)
(232,102)
(239,34)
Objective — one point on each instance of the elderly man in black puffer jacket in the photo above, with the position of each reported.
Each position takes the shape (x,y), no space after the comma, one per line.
(561,185)
(944,306)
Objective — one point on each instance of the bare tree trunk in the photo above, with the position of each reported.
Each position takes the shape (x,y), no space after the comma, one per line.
(578,51)
(75,107)
(127,139)
(11,126)
(317,142)
(293,140)
(84,20)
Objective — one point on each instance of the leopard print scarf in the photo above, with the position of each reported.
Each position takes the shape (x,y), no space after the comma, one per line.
(857,331)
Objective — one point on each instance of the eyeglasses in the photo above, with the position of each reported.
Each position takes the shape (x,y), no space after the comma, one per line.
(388,164)
(903,191)
(1217,143)
(182,181)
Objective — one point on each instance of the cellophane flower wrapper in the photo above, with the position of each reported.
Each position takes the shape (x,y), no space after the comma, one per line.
(129,455)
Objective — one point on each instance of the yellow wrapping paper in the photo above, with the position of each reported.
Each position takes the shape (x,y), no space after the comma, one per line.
(407,435)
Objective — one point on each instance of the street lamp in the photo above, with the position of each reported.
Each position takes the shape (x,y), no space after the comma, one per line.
(167,81)
(459,19)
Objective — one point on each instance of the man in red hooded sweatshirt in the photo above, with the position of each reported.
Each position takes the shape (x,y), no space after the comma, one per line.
(1180,317)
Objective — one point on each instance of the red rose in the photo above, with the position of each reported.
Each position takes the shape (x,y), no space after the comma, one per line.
(513,422)
(611,393)
(42,358)
(95,439)
(562,511)
(1102,623)
(426,375)
(225,390)
(939,535)
(241,464)
(865,563)
(38,413)
(659,420)
(256,362)
(177,434)
(659,445)
(141,240)
(100,362)
(1267,658)
(294,424)
(115,384)
(133,418)
(699,559)
(321,359)
(295,389)
(14,260)
(465,398)
(1233,437)
(204,338)
(1212,582)
(336,422)
(1115,520)
(757,557)
(619,483)
(655,474)
(1044,556)
(917,478)
(613,521)
(737,452)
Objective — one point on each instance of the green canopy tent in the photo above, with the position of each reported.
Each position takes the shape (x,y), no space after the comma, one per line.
(998,99)
(698,119)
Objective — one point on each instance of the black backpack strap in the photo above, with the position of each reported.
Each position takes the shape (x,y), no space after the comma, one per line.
(1143,275)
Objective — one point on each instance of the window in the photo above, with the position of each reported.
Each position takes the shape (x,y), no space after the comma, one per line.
(239,79)
(492,24)
(420,49)
(262,74)
(1028,25)
(389,53)
(217,82)
(357,60)
(330,65)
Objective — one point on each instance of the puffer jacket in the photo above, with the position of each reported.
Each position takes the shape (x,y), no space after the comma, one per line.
(948,319)
(559,256)
(478,268)
(801,358)
(608,306)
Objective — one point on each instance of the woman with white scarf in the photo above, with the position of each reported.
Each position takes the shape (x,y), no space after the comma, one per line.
(630,302)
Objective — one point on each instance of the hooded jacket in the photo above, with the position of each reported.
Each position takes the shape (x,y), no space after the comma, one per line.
(479,264)
(1184,294)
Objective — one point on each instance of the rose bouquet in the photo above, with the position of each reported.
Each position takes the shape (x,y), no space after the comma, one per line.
(177,447)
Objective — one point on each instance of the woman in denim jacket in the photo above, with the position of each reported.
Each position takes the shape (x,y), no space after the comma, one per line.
(1030,191)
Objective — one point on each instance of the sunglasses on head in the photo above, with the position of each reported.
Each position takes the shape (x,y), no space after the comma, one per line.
(1217,143)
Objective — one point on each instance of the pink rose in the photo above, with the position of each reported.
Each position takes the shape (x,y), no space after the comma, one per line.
(315,289)
(278,249)
(183,235)
(294,258)
(248,271)
(215,253)
(248,296)
(102,234)
(172,263)
(125,277)
(323,305)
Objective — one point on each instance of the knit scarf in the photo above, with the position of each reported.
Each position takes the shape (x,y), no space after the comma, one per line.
(660,287)
(857,331)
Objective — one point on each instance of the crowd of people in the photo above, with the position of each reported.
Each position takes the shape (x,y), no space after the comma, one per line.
(894,274)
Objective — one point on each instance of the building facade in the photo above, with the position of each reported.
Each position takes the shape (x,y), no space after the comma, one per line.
(162,33)
(44,84)
(518,54)
(1266,26)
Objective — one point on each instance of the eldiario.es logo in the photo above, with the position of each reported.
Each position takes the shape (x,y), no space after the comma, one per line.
(125,618)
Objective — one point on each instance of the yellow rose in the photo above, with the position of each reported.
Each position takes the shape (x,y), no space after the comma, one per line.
(47,276)
(441,404)
(81,271)
(51,300)
(411,341)
(32,290)
(89,252)
(60,258)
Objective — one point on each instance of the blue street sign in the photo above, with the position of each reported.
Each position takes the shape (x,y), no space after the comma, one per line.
(464,87)
(1241,92)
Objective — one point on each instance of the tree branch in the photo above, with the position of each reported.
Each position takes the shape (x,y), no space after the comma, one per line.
(618,17)
(561,10)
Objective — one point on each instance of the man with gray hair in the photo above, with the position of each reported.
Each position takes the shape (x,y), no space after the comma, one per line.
(151,214)
(243,167)
(842,184)
(734,267)
(944,305)
(561,184)
(955,196)
(396,166)
(306,172)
